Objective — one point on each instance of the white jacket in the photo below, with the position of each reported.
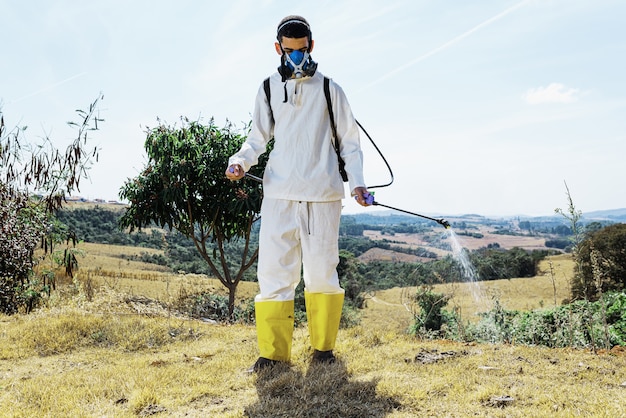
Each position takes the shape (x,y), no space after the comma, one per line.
(303,163)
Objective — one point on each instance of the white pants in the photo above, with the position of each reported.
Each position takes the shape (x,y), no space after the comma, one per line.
(298,237)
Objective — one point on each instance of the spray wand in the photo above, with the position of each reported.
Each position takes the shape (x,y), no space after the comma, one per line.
(369,199)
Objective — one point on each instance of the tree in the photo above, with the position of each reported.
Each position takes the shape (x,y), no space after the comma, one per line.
(183,187)
(22,226)
(602,256)
(34,181)
(573,215)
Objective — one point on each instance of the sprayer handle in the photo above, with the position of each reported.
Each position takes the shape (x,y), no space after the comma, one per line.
(368,197)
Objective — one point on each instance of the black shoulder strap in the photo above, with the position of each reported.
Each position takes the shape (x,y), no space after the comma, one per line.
(342,164)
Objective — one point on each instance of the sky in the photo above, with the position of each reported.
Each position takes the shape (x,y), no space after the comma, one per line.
(486,107)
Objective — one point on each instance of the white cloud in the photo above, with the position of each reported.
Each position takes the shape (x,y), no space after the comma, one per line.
(553,93)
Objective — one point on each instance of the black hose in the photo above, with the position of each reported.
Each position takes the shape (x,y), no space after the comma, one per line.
(381,156)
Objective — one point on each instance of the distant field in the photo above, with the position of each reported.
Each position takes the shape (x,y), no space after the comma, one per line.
(489,237)
(505,241)
(91,205)
(525,294)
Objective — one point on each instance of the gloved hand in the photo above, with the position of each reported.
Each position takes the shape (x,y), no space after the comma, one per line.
(363,197)
(235,172)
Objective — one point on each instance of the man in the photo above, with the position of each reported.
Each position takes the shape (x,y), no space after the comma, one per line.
(302,191)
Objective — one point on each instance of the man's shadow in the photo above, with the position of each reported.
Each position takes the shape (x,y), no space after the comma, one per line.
(326,390)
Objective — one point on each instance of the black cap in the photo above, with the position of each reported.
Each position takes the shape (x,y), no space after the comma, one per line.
(293,27)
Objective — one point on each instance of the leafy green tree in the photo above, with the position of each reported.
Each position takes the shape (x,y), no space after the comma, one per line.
(495,263)
(562,230)
(444,270)
(183,187)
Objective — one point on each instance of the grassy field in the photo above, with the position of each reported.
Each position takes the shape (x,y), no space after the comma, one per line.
(108,345)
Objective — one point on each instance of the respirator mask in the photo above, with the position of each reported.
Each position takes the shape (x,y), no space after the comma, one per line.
(297,64)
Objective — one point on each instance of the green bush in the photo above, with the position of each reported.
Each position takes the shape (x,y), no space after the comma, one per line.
(430,317)
(215,307)
(616,317)
(602,262)
(580,324)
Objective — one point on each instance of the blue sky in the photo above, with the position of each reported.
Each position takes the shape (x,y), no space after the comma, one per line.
(481,107)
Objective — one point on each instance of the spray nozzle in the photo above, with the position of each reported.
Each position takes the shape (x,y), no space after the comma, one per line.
(444,223)
(369,198)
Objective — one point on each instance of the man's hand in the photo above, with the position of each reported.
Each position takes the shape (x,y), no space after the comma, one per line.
(362,196)
(235,172)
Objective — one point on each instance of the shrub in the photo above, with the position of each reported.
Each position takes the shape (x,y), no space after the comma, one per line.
(561,244)
(214,307)
(616,317)
(24,218)
(602,261)
(430,316)
(580,324)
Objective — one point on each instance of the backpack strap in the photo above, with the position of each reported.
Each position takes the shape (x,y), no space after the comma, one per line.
(268,94)
(342,164)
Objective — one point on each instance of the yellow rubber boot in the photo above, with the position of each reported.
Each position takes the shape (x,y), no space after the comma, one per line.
(323,312)
(274,327)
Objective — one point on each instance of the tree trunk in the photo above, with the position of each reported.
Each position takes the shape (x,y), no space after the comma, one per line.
(232,289)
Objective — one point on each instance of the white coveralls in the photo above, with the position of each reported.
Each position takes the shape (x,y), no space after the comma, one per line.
(301,207)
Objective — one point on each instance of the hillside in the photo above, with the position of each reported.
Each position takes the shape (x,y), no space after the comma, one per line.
(438,241)
(112,342)
(614,215)
(113,346)
(399,242)
(473,231)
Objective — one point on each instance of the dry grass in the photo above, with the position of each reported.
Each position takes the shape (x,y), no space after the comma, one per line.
(193,369)
(116,356)
(108,266)
(111,258)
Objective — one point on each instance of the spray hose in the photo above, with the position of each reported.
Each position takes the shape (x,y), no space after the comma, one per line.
(369,198)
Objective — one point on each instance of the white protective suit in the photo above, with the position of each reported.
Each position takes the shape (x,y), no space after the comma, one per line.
(301,208)
(302,167)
